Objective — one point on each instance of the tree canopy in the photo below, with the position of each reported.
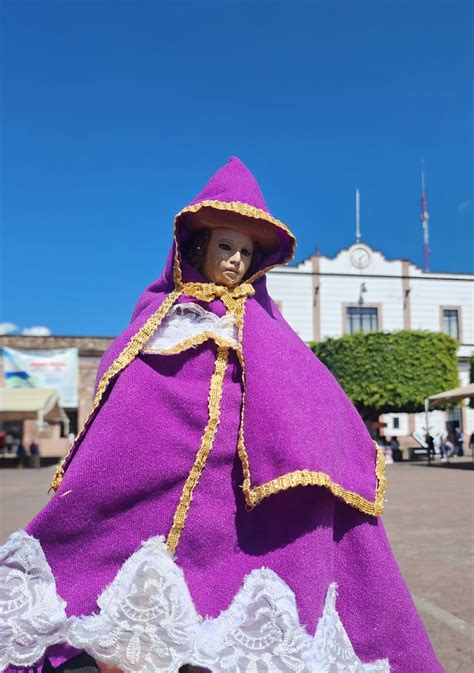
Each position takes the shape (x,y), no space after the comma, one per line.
(391,372)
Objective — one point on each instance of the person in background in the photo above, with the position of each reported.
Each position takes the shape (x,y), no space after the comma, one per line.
(387,450)
(458,441)
(35,456)
(430,445)
(447,449)
(396,452)
(20,454)
(10,442)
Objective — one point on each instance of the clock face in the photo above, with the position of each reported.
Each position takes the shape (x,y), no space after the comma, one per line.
(360,258)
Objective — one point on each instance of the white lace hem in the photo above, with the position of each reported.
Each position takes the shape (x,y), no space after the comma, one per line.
(189,320)
(32,615)
(147,621)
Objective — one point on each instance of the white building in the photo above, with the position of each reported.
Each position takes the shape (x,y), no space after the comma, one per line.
(360,290)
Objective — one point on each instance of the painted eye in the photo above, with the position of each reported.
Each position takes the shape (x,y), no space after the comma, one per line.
(224,246)
(246,253)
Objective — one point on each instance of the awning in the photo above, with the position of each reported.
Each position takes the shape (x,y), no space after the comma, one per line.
(39,404)
(450,396)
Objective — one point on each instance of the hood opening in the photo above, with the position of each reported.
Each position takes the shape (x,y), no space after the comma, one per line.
(275,242)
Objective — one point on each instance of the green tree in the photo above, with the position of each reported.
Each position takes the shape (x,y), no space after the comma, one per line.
(391,372)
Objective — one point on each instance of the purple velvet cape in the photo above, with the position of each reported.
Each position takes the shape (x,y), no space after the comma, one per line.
(123,481)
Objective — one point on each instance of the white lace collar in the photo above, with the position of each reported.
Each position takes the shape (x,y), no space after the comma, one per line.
(188,321)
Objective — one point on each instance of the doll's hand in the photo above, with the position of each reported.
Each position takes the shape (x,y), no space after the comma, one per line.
(103,668)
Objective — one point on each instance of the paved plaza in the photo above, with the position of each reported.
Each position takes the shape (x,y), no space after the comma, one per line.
(429,519)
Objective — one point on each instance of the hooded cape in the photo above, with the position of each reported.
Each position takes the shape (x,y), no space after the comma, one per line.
(150,531)
(313,435)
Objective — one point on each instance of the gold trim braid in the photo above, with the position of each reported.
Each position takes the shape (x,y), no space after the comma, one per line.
(130,351)
(192,342)
(255,495)
(239,207)
(233,298)
(215,396)
(243,209)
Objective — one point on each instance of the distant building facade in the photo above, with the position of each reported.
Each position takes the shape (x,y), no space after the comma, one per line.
(52,439)
(357,290)
(360,290)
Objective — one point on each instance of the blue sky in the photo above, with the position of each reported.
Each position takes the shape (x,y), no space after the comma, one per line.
(116,113)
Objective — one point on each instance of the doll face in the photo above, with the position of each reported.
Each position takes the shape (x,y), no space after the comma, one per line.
(228,256)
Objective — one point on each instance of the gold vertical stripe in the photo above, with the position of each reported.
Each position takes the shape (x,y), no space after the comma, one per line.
(241,450)
(130,351)
(215,396)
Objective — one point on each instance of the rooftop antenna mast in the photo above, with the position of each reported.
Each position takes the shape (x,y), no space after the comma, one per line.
(357,216)
(424,221)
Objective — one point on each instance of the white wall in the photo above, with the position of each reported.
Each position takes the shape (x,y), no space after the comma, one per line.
(292,290)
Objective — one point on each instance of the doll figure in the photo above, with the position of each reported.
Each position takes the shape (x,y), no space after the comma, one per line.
(221,507)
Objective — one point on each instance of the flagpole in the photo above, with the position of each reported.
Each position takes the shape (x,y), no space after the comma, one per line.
(424,221)
(357,216)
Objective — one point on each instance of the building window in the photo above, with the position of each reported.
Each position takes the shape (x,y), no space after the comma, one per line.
(396,423)
(451,322)
(361,319)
